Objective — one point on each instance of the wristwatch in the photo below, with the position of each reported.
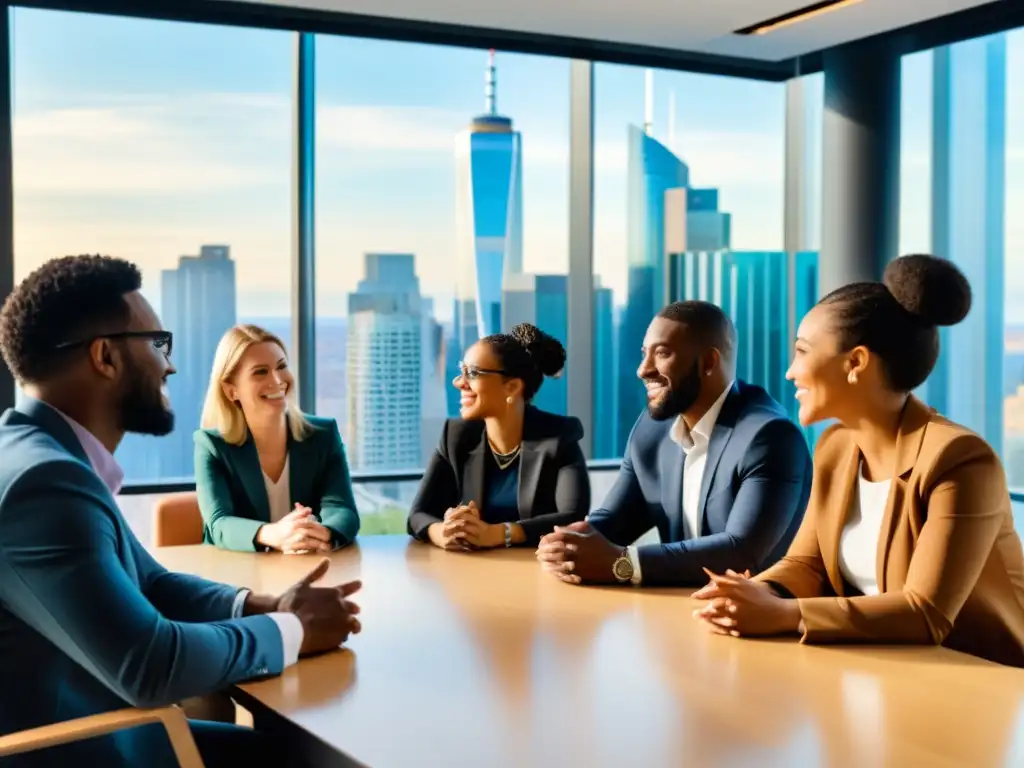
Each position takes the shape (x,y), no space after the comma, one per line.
(622,568)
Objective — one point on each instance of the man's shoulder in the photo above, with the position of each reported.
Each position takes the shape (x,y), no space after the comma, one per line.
(24,444)
(760,420)
(648,429)
(756,408)
(31,453)
(647,437)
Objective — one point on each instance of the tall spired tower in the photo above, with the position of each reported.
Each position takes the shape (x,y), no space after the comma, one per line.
(488,215)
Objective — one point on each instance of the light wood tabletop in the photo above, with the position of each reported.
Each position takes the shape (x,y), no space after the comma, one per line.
(484,660)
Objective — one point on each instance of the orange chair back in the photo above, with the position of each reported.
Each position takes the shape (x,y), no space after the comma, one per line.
(176,521)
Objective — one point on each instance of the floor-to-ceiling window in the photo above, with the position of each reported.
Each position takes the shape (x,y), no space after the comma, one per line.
(958,180)
(1013,360)
(166,144)
(442,216)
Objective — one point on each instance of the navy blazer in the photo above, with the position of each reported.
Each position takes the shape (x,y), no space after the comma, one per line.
(89,621)
(554,485)
(756,483)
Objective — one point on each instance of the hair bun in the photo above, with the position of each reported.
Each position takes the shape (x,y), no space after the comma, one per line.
(547,352)
(930,288)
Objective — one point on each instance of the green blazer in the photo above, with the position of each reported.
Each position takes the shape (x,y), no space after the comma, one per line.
(233,498)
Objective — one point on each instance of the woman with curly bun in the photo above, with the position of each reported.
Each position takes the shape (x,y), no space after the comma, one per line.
(908,536)
(504,473)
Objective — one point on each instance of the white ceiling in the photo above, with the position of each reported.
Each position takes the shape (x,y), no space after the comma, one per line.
(704,26)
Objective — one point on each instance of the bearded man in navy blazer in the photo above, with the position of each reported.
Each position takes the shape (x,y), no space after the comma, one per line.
(714,464)
(89,621)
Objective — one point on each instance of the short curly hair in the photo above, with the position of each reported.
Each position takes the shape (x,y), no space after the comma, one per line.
(65,299)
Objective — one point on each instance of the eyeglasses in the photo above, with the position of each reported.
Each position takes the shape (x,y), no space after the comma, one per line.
(162,340)
(472,372)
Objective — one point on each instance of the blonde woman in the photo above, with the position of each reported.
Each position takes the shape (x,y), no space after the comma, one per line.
(268,476)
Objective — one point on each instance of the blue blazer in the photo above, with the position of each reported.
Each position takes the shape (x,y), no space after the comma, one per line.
(89,622)
(233,497)
(756,483)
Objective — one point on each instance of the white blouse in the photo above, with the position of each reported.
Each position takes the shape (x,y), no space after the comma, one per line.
(858,544)
(279,494)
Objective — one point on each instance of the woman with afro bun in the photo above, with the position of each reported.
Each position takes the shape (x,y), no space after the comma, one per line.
(504,473)
(908,536)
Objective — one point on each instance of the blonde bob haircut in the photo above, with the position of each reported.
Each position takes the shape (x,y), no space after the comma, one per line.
(225,416)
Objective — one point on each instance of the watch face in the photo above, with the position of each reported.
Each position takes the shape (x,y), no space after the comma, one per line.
(623,569)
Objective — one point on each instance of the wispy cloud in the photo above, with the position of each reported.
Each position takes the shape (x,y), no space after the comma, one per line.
(198,145)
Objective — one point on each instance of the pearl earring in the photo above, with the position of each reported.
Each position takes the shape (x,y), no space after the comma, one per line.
(852,378)
(509,400)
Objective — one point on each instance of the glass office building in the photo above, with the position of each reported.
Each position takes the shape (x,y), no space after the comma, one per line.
(489,216)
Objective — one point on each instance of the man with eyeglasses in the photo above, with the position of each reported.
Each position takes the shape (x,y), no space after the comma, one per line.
(89,621)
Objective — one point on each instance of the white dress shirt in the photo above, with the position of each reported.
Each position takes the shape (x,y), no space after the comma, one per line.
(694,443)
(858,544)
(109,471)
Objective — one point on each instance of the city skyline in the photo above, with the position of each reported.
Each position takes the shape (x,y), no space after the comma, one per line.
(132,149)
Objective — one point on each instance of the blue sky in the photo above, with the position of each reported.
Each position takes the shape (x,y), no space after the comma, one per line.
(145,139)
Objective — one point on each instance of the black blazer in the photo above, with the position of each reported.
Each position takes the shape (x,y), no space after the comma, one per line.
(554,486)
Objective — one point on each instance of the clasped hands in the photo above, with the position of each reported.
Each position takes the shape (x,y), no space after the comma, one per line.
(578,553)
(328,617)
(463,530)
(735,604)
(738,606)
(297,533)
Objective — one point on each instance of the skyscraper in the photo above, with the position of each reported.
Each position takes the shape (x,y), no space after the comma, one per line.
(707,228)
(198,306)
(488,216)
(664,216)
(652,171)
(541,300)
(604,379)
(385,368)
(434,381)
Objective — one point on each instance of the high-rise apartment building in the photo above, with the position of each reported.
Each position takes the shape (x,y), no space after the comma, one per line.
(385,365)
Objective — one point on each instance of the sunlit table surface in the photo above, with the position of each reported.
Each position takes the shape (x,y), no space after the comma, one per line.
(484,660)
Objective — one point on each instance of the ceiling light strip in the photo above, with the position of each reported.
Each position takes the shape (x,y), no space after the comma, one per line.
(793,17)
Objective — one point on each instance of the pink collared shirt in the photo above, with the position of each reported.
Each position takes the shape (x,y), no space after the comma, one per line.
(103,462)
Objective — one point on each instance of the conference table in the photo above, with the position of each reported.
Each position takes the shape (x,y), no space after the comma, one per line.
(482,659)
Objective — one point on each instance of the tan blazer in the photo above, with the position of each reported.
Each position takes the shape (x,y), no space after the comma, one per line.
(949,564)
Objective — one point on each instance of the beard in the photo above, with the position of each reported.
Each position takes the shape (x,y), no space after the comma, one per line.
(142,407)
(678,398)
